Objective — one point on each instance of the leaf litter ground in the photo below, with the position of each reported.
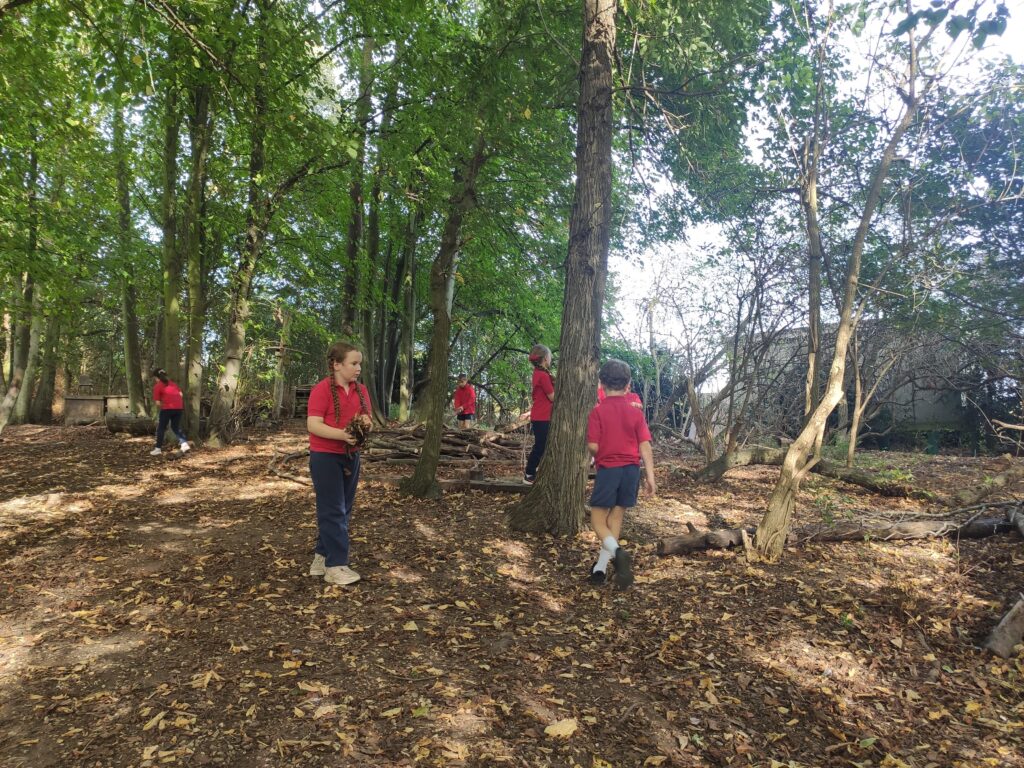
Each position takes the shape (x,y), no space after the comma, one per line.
(156,611)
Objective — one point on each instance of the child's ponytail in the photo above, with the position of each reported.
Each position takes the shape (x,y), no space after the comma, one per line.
(539,354)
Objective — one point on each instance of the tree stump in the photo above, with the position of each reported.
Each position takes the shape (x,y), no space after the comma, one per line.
(1008,633)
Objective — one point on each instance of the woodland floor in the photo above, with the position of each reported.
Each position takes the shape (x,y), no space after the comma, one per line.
(155,610)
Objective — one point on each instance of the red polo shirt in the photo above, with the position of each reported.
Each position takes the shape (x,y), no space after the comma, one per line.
(168,395)
(618,428)
(466,397)
(542,386)
(321,404)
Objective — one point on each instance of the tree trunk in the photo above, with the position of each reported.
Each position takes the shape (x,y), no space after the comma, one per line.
(257,221)
(194,249)
(423,483)
(555,501)
(13,388)
(281,370)
(858,407)
(407,278)
(809,202)
(168,355)
(35,330)
(41,411)
(129,319)
(773,528)
(353,274)
(22,357)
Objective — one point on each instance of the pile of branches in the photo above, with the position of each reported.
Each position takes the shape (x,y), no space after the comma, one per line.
(402,446)
(465,448)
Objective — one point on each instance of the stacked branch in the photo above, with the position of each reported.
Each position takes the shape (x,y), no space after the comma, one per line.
(402,446)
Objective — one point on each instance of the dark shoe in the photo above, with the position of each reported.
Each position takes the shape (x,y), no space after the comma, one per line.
(623,569)
(529,479)
(597,578)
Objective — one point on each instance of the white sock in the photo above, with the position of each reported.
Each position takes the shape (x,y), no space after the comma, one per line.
(610,544)
(603,559)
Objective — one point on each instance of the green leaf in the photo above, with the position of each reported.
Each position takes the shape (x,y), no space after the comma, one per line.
(907,24)
(956,25)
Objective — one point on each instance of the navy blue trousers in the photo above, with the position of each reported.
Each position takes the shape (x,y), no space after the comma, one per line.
(540,442)
(335,476)
(170,416)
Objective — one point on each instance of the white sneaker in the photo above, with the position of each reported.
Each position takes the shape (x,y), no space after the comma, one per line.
(319,566)
(341,575)
(185,447)
(155,452)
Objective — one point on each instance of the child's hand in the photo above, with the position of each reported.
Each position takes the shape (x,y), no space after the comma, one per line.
(652,486)
(348,437)
(365,418)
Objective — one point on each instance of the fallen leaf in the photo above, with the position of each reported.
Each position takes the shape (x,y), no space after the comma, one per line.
(563,728)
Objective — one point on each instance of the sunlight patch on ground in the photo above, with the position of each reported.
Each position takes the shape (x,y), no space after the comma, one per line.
(426,530)
(40,508)
(399,573)
(215,489)
(827,670)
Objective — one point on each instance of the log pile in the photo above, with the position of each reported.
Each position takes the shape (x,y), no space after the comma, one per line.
(470,447)
(466,449)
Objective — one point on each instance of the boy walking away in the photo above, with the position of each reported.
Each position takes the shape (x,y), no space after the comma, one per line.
(618,438)
(464,401)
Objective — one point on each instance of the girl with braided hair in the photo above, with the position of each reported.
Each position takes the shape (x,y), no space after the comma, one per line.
(543,391)
(338,419)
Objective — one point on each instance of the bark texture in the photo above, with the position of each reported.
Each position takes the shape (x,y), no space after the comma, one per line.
(423,482)
(555,502)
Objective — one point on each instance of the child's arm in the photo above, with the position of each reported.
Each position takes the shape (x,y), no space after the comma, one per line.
(592,447)
(315,425)
(648,456)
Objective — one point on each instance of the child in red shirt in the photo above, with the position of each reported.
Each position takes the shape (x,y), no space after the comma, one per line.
(543,387)
(617,437)
(167,397)
(464,401)
(334,404)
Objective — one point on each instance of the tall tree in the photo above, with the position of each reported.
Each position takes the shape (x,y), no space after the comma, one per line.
(423,482)
(555,502)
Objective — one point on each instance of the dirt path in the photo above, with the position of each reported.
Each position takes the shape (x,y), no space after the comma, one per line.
(156,611)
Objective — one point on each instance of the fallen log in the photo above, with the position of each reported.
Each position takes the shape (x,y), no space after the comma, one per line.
(966,496)
(488,486)
(901,531)
(133,425)
(853,476)
(1008,633)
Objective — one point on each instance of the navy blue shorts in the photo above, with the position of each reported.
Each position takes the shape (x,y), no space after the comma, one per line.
(465,416)
(616,486)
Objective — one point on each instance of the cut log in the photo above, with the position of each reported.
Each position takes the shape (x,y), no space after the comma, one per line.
(133,425)
(1008,633)
(1015,516)
(903,531)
